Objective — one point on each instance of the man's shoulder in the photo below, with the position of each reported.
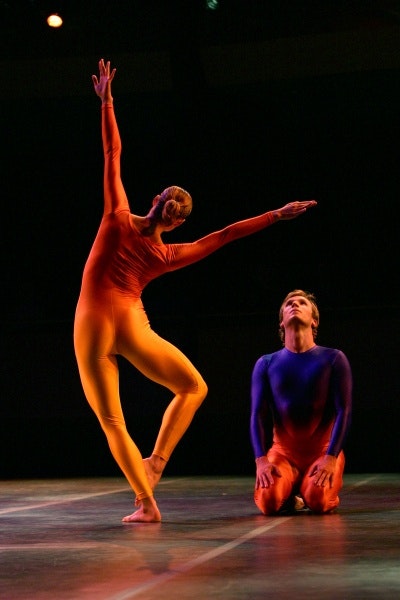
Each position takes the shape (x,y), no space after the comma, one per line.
(327,351)
(267,358)
(334,356)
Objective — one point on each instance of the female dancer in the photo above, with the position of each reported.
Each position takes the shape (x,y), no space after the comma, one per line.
(110,320)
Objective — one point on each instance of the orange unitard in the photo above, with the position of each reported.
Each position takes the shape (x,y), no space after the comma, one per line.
(110,318)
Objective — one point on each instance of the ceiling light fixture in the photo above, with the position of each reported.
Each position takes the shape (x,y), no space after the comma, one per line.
(54,20)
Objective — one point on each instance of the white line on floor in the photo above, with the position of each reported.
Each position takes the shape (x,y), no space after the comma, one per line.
(66,499)
(191,564)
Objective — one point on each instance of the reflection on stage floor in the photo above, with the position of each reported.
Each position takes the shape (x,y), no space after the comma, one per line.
(64,540)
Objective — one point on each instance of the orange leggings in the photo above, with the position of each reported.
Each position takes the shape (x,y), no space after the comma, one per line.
(293,480)
(110,325)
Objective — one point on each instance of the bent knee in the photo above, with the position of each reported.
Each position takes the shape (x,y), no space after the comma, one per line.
(320,500)
(196,387)
(195,394)
(272,499)
(198,393)
(267,502)
(202,389)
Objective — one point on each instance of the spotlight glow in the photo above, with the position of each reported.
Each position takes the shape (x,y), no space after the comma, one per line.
(54,20)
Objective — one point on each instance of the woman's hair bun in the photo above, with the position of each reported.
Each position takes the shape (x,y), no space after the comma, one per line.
(171,211)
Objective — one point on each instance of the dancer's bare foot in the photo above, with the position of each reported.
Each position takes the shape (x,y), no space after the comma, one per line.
(147,512)
(299,503)
(154,466)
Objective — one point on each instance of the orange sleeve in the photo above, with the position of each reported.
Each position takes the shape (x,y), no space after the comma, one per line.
(186,254)
(115,198)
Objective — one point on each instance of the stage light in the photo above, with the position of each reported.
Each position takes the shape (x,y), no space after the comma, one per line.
(54,20)
(212,4)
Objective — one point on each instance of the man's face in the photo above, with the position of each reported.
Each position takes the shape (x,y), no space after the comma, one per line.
(298,310)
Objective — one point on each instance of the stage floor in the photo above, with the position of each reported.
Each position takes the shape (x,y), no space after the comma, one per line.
(64,540)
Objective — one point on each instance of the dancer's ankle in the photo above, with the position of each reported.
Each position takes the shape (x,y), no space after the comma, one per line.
(158,463)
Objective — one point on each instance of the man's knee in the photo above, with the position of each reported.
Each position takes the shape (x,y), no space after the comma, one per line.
(266,501)
(320,499)
(271,500)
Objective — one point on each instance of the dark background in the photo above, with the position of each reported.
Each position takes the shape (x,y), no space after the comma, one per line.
(247,106)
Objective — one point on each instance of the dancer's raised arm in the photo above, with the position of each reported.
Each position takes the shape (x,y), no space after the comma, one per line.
(115,198)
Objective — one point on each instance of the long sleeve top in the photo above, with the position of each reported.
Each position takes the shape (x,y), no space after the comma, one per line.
(122,257)
(309,397)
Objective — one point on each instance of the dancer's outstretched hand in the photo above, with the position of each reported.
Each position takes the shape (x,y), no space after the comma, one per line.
(102,85)
(293,209)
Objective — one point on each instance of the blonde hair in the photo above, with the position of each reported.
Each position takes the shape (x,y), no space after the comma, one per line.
(169,208)
(171,204)
(315,312)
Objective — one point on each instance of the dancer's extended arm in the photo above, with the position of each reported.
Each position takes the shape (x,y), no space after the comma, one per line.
(115,198)
(186,254)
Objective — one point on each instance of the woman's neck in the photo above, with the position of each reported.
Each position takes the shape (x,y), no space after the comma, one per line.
(148,228)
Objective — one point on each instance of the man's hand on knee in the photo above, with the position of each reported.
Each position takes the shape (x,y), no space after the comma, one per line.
(265,472)
(324,470)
